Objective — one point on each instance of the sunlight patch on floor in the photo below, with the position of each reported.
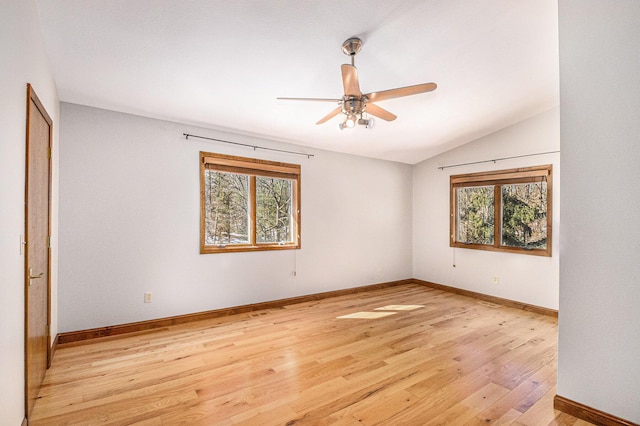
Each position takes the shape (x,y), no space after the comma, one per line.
(368,315)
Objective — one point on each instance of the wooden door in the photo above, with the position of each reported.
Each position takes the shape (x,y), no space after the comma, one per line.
(37,252)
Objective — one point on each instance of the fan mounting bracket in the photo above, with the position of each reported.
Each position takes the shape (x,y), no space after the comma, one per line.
(352,46)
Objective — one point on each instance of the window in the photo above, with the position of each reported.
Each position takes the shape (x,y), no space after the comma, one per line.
(506,210)
(248,204)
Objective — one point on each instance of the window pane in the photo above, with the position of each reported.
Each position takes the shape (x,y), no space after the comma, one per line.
(524,215)
(273,210)
(226,208)
(475,215)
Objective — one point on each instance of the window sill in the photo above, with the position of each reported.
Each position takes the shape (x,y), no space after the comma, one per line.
(235,248)
(504,249)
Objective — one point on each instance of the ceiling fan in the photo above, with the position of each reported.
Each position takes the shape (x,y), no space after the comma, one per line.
(356,106)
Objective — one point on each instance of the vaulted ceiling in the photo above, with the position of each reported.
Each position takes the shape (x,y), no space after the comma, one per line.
(221,64)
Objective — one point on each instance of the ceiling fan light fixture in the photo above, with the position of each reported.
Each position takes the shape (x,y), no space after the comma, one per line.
(366,122)
(350,121)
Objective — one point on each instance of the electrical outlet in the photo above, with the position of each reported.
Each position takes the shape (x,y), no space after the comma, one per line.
(495,280)
(147,297)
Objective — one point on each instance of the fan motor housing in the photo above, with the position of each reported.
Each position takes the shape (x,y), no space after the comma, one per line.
(352,105)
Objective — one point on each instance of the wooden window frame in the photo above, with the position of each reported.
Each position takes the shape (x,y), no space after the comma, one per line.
(251,167)
(497,179)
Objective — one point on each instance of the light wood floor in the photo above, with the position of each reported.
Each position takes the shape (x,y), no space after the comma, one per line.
(452,361)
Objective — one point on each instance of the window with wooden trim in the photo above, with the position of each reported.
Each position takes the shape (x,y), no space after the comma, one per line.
(248,204)
(504,210)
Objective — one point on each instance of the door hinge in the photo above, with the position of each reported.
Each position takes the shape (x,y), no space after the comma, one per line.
(49,241)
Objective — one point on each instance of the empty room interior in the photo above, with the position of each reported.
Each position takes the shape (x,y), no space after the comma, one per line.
(340,212)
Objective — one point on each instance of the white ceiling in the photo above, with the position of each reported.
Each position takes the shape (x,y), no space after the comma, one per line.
(221,64)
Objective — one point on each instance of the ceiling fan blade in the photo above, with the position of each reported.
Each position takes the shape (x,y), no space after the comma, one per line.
(376,111)
(330,115)
(350,81)
(401,91)
(310,99)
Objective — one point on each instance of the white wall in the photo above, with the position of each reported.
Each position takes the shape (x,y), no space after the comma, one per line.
(23,61)
(599,324)
(129,220)
(524,278)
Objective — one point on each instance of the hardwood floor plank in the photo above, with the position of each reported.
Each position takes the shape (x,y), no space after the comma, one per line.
(540,413)
(451,361)
(374,410)
(461,412)
(498,413)
(507,418)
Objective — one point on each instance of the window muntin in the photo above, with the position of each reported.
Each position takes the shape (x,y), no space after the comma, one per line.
(248,204)
(506,210)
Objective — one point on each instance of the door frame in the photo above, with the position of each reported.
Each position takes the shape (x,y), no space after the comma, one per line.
(32,97)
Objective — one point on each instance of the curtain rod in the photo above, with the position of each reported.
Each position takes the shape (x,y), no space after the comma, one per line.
(187,135)
(496,159)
